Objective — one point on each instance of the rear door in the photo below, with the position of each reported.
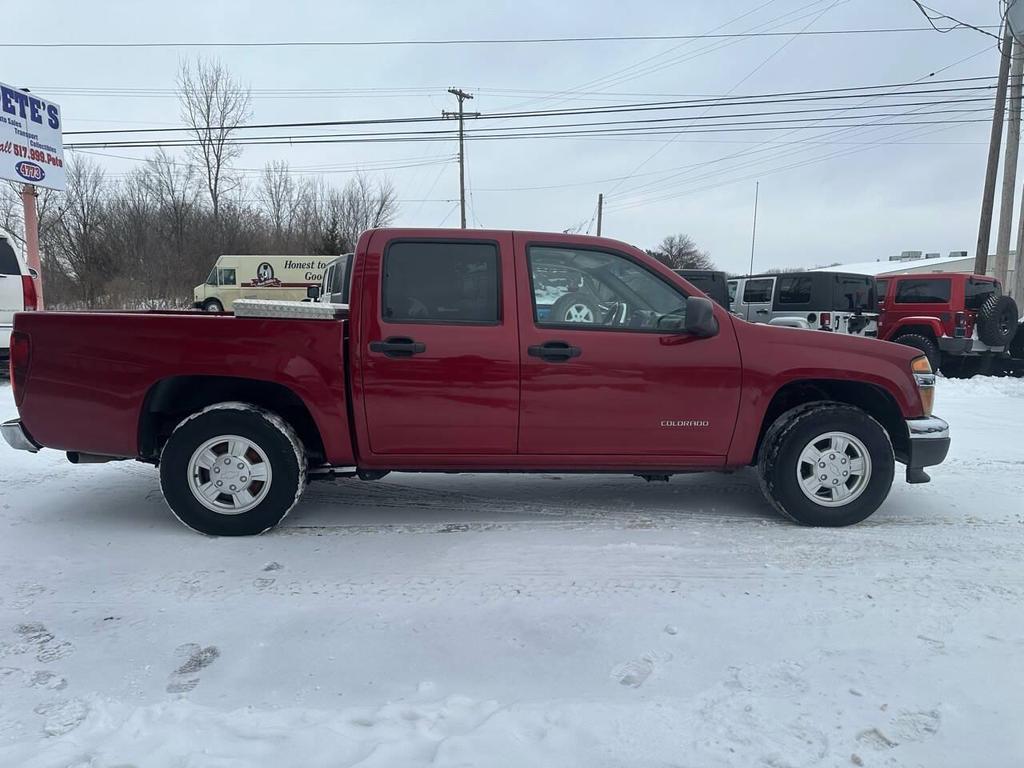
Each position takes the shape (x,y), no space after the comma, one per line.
(438,346)
(623,381)
(757,299)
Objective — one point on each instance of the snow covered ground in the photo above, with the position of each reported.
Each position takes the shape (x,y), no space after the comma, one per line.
(519,621)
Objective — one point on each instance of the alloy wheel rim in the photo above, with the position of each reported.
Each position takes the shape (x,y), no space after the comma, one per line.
(579,313)
(229,474)
(834,469)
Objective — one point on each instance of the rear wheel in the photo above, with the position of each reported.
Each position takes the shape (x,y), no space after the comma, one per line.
(826,464)
(232,470)
(923,343)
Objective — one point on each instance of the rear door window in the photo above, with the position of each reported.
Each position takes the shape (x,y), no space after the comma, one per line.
(441,282)
(758,291)
(925,290)
(883,287)
(795,290)
(976,292)
(854,294)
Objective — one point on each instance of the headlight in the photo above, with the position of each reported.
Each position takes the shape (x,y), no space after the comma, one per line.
(925,382)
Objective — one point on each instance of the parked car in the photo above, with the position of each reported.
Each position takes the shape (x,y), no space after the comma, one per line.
(959,321)
(334,287)
(17,293)
(712,282)
(278,278)
(840,302)
(445,364)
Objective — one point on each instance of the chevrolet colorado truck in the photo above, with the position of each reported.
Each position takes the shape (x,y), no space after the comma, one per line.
(447,358)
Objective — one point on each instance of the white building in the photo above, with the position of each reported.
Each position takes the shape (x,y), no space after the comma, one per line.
(916,261)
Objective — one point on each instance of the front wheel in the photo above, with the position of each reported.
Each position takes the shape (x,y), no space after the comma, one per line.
(826,464)
(212,305)
(232,469)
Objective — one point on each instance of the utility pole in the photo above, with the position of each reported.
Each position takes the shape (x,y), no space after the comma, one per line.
(600,212)
(1010,166)
(753,233)
(461,95)
(989,193)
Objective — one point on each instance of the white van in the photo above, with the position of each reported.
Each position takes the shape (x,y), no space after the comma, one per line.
(17,293)
(284,278)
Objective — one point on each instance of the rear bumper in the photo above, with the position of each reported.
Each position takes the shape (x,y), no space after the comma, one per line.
(17,437)
(965,346)
(927,446)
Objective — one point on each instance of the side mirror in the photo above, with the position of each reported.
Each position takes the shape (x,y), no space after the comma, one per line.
(313,292)
(33,273)
(700,317)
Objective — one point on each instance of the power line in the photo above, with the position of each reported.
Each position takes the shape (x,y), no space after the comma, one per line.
(832,134)
(934,16)
(781,97)
(476,41)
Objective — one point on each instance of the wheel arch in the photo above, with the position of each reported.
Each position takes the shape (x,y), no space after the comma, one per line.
(872,399)
(171,400)
(929,327)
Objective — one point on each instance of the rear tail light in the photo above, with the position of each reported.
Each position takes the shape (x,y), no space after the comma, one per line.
(28,291)
(960,327)
(21,356)
(826,320)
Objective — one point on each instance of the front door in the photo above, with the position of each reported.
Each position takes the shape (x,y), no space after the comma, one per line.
(606,368)
(438,345)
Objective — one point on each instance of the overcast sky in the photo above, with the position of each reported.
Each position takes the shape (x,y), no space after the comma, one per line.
(874,199)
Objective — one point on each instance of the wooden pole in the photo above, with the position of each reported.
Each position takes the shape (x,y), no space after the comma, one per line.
(995,139)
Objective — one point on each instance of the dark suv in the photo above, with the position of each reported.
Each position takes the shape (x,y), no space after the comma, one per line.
(959,321)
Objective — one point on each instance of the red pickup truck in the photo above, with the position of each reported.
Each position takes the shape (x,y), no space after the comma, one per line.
(448,358)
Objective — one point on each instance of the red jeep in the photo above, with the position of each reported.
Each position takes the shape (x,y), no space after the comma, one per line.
(959,321)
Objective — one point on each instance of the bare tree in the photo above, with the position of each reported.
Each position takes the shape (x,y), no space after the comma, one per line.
(365,205)
(79,239)
(213,105)
(680,252)
(280,197)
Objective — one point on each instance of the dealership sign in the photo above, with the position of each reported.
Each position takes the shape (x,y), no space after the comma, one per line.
(31,145)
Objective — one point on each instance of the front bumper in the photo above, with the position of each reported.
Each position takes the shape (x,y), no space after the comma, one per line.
(927,446)
(17,437)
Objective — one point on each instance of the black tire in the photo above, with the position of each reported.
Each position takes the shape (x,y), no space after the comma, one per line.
(779,462)
(923,343)
(273,436)
(959,366)
(1017,345)
(212,305)
(997,321)
(561,309)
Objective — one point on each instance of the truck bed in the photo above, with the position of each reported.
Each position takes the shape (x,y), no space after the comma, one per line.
(92,372)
